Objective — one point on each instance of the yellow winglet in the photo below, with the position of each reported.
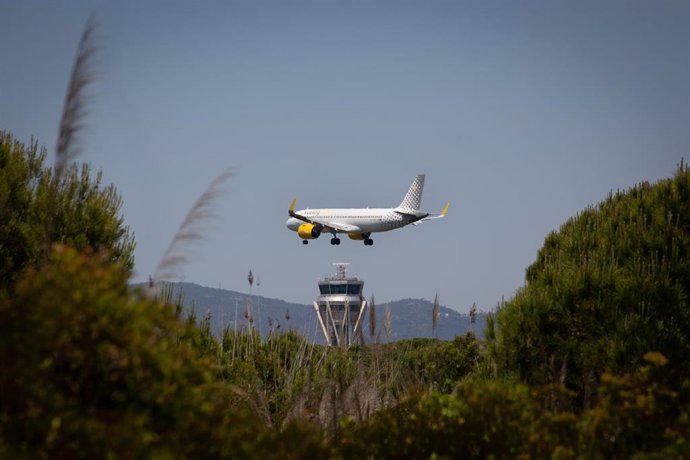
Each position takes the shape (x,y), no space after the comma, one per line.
(292,205)
(445,209)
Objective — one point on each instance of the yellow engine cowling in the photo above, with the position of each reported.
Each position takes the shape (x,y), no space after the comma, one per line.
(355,236)
(308,231)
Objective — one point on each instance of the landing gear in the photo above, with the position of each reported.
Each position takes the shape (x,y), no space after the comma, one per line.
(305,242)
(335,241)
(368,242)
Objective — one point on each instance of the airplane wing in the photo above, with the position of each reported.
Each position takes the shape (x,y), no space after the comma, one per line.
(336,226)
(434,216)
(327,225)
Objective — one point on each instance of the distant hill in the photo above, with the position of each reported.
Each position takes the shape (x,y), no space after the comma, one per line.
(409,317)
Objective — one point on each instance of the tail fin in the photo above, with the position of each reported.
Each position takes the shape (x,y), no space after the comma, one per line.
(413,199)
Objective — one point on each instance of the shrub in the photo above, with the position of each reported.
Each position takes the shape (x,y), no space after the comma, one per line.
(90,371)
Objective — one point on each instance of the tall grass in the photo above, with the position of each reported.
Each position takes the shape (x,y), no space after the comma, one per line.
(434,315)
(372,318)
(74,109)
(190,230)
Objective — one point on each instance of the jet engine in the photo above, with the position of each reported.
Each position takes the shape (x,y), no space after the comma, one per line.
(308,231)
(355,236)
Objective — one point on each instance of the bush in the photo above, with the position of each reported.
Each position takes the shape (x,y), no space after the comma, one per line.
(641,414)
(90,371)
(480,420)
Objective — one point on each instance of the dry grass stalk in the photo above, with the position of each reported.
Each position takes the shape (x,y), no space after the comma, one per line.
(388,321)
(434,315)
(190,230)
(372,318)
(74,109)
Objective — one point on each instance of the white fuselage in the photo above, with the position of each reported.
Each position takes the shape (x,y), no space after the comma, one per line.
(360,223)
(369,220)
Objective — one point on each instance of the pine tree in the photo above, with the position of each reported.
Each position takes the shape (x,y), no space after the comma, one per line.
(608,287)
(37,211)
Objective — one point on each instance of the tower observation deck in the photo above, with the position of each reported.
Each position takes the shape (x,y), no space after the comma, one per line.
(340,307)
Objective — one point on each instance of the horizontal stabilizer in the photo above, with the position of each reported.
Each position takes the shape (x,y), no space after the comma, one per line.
(434,216)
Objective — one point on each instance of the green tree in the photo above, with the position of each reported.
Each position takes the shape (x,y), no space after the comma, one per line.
(36,211)
(608,287)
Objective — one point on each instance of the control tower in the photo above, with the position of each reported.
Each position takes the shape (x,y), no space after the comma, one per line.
(340,307)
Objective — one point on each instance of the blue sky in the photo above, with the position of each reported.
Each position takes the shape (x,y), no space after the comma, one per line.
(520,113)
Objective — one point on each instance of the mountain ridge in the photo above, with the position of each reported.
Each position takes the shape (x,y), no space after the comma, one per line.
(410,317)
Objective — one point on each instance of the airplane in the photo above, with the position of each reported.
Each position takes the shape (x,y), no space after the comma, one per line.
(360,223)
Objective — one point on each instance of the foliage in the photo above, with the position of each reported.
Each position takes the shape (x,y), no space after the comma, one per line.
(91,371)
(639,415)
(480,420)
(277,378)
(36,211)
(440,365)
(285,378)
(610,286)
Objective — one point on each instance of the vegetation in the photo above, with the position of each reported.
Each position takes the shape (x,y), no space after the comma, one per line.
(611,285)
(590,359)
(286,378)
(37,210)
(91,370)
(638,415)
